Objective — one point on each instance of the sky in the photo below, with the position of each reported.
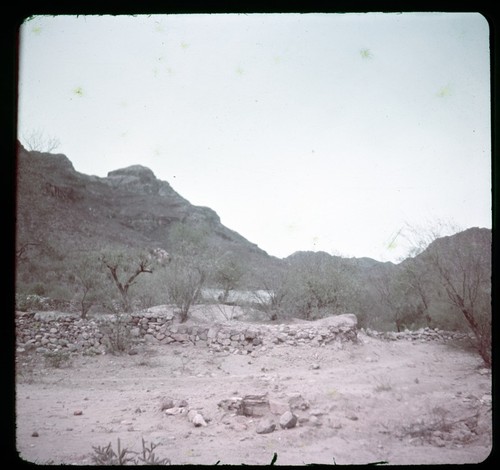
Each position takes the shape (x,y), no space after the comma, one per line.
(331,132)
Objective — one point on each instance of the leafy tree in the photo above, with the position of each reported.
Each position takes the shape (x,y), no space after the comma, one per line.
(403,295)
(274,287)
(319,285)
(227,274)
(184,281)
(189,267)
(88,281)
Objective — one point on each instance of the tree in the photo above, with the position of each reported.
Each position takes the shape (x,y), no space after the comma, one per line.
(272,292)
(88,283)
(189,267)
(462,265)
(227,274)
(184,282)
(319,285)
(403,295)
(124,269)
(36,140)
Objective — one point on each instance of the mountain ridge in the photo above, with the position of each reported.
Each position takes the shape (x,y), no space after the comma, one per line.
(132,204)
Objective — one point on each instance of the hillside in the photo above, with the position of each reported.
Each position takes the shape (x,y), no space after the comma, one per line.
(128,208)
(61,212)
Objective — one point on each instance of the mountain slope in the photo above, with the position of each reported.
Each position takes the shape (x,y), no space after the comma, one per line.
(128,208)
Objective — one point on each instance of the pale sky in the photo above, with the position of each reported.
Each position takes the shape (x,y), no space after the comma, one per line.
(302,131)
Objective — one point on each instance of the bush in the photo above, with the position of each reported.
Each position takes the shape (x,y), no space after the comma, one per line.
(117,334)
(57,359)
(107,456)
(31,302)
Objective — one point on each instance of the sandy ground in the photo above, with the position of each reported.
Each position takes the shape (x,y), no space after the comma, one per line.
(401,402)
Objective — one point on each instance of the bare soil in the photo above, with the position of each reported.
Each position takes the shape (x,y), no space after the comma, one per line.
(401,402)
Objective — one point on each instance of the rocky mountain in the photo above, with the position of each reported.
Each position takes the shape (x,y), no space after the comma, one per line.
(130,207)
(61,212)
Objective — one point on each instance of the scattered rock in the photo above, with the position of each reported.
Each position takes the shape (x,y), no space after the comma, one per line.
(78,412)
(297,402)
(231,404)
(173,411)
(352,416)
(315,366)
(265,426)
(198,420)
(255,405)
(288,420)
(35,434)
(166,403)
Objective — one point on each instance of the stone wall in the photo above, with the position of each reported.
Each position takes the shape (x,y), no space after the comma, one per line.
(50,331)
(422,335)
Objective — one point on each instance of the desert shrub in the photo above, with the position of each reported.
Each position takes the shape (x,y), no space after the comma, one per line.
(30,302)
(117,334)
(107,456)
(57,359)
(184,282)
(318,285)
(383,384)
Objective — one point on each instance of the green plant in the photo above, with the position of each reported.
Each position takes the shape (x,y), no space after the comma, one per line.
(107,456)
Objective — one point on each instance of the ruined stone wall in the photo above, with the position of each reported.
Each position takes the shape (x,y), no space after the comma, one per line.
(50,331)
(422,335)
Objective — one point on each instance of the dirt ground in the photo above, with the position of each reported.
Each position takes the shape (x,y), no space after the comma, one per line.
(400,402)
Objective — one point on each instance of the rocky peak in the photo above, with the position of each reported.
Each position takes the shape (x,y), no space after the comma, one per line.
(136,177)
(133,173)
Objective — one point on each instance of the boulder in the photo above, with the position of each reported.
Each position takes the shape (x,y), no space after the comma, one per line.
(198,420)
(288,420)
(265,426)
(166,403)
